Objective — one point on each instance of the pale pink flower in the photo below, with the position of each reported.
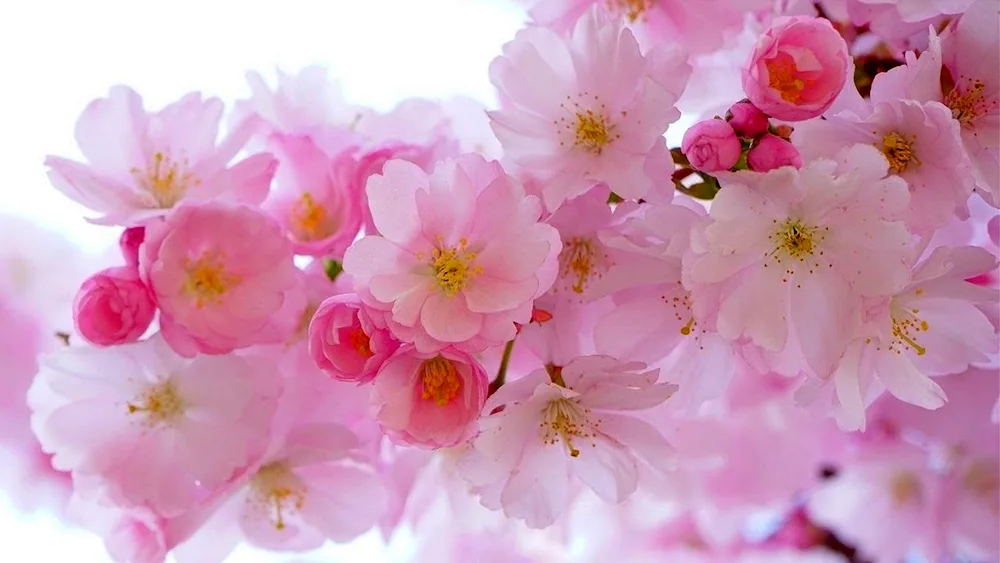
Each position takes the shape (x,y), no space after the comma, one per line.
(591,109)
(797,68)
(148,427)
(770,152)
(429,400)
(971,510)
(113,307)
(883,503)
(372,162)
(219,274)
(312,486)
(313,203)
(345,343)
(567,422)
(797,250)
(460,256)
(142,164)
(699,28)
(711,145)
(936,325)
(747,120)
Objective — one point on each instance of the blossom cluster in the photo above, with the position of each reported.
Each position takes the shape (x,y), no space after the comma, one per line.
(476,322)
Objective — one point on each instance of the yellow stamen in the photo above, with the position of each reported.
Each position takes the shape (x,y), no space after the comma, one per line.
(159,403)
(899,152)
(633,9)
(905,488)
(581,260)
(440,379)
(564,420)
(165,180)
(453,266)
(207,279)
(968,102)
(310,220)
(905,326)
(278,491)
(592,131)
(783,76)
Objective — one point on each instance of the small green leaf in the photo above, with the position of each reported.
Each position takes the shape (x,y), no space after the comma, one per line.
(333,268)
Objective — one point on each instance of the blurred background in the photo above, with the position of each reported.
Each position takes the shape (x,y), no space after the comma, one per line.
(58,55)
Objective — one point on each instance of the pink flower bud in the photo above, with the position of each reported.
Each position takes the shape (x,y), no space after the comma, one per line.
(711,145)
(770,152)
(129,242)
(797,69)
(344,342)
(747,120)
(113,307)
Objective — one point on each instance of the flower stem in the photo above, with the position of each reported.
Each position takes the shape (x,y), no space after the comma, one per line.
(502,372)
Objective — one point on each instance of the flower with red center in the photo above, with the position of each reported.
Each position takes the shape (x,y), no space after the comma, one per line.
(220,275)
(345,343)
(429,400)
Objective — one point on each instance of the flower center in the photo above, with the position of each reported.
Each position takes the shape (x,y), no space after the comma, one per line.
(592,132)
(967,102)
(899,152)
(310,221)
(982,480)
(276,490)
(207,279)
(453,268)
(782,76)
(361,342)
(165,180)
(160,403)
(905,328)
(564,420)
(580,260)
(681,304)
(796,243)
(904,487)
(441,381)
(633,9)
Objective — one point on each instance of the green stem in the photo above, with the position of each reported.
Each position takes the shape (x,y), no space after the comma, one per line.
(502,372)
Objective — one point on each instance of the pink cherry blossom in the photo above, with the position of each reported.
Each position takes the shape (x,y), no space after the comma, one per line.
(770,152)
(711,145)
(148,427)
(797,68)
(971,509)
(460,255)
(698,28)
(797,250)
(316,207)
(591,109)
(345,343)
(429,400)
(313,485)
(219,274)
(113,307)
(583,433)
(936,325)
(142,164)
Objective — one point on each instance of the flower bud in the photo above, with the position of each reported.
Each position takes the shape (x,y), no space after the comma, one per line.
(113,307)
(711,145)
(747,120)
(129,242)
(770,152)
(344,343)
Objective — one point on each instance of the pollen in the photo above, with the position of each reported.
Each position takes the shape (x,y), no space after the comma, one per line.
(587,123)
(310,220)
(797,246)
(166,180)
(207,279)
(360,341)
(159,404)
(581,261)
(591,132)
(906,329)
(565,421)
(968,102)
(905,488)
(453,266)
(441,381)
(278,492)
(899,152)
(632,9)
(783,77)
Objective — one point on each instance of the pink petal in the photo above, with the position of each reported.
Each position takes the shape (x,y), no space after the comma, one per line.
(448,319)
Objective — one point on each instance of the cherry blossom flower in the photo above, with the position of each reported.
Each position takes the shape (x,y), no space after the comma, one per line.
(219,273)
(142,164)
(429,400)
(113,307)
(599,114)
(801,248)
(460,255)
(148,427)
(570,423)
(317,209)
(345,343)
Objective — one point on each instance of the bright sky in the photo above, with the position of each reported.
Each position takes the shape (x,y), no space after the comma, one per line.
(57,55)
